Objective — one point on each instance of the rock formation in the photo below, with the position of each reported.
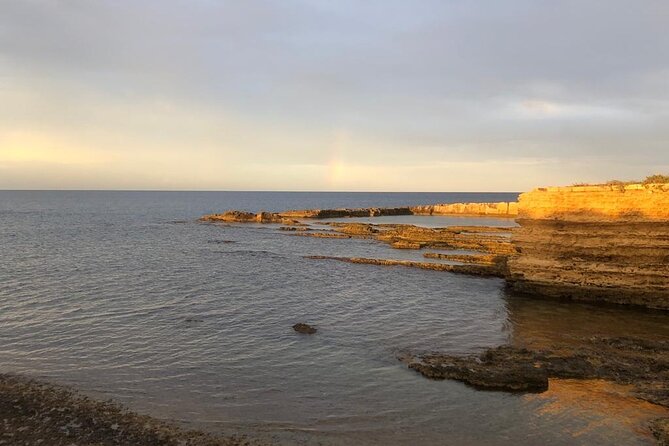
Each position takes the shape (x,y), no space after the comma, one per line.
(597,243)
(248,217)
(470,269)
(340,213)
(501,209)
(417,237)
(640,362)
(304,328)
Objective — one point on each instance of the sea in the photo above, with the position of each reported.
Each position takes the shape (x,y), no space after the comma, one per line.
(127,296)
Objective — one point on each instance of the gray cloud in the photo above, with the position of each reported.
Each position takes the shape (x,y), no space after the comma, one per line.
(406,83)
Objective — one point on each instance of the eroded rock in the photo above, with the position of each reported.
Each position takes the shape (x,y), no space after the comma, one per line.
(474,270)
(498,209)
(596,243)
(640,362)
(503,368)
(660,429)
(304,328)
(235,216)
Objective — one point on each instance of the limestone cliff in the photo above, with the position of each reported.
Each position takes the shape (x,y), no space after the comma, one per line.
(596,243)
(501,209)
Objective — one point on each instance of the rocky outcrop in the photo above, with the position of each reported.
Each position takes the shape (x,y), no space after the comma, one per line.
(289,217)
(472,269)
(595,243)
(320,234)
(640,362)
(478,238)
(502,368)
(341,213)
(493,241)
(481,259)
(230,216)
(416,237)
(501,209)
(304,328)
(360,229)
(248,217)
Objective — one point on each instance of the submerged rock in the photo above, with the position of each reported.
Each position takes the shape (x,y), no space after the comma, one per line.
(304,328)
(504,368)
(641,363)
(472,269)
(321,234)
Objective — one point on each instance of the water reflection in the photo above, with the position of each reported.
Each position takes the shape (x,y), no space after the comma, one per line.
(601,407)
(540,323)
(610,411)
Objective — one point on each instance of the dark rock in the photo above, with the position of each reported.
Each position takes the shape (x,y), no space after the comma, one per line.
(641,363)
(304,328)
(660,429)
(503,368)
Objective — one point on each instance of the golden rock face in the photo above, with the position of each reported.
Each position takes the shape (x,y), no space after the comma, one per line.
(597,243)
(632,202)
(501,209)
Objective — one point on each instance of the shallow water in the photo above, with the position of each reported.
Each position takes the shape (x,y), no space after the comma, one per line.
(125,295)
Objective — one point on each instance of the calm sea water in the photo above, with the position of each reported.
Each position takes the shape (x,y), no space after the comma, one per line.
(126,296)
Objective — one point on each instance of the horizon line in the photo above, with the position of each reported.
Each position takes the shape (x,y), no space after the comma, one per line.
(259,190)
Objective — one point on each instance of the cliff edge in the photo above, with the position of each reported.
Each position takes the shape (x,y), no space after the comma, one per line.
(595,243)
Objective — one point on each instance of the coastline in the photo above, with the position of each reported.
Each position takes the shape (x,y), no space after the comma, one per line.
(83,418)
(35,412)
(581,222)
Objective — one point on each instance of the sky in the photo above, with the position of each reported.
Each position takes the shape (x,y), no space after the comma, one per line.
(376,95)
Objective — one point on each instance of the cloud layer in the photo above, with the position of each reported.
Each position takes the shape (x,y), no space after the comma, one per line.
(320,95)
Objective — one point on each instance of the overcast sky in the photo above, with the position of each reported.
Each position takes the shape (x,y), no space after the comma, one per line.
(332,95)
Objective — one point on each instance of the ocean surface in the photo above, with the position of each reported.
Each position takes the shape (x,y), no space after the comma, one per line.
(125,295)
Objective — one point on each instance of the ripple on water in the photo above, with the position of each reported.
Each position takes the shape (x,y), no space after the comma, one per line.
(109,298)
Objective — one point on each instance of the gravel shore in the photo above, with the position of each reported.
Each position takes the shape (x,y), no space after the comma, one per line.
(38,413)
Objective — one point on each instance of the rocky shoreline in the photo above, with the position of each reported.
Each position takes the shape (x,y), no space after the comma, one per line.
(473,270)
(594,243)
(500,209)
(39,413)
(607,245)
(641,364)
(491,245)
